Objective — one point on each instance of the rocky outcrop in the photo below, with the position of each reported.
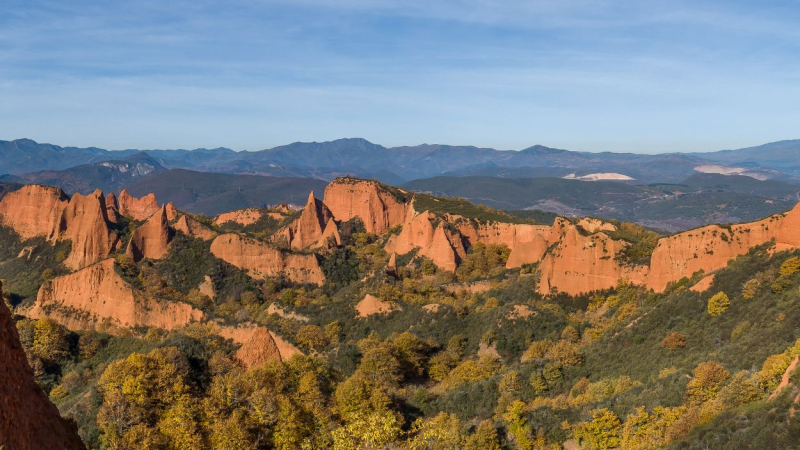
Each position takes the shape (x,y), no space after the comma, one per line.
(259,349)
(593,225)
(330,236)
(526,242)
(308,229)
(28,420)
(44,211)
(172,211)
(243,217)
(261,260)
(439,244)
(112,208)
(375,204)
(152,239)
(704,284)
(391,266)
(580,264)
(193,228)
(243,333)
(96,294)
(372,305)
(85,222)
(710,248)
(527,252)
(137,208)
(34,211)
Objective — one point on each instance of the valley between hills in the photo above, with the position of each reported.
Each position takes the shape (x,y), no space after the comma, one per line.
(376,316)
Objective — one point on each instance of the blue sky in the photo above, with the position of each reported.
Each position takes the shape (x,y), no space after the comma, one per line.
(593,75)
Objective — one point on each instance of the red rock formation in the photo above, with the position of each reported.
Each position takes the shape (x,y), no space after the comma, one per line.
(704,284)
(44,211)
(137,208)
(307,230)
(391,266)
(172,212)
(593,225)
(527,252)
(243,217)
(259,349)
(368,200)
(85,222)
(34,211)
(261,260)
(112,208)
(152,239)
(581,264)
(371,305)
(243,333)
(193,228)
(710,248)
(28,420)
(442,247)
(330,236)
(98,294)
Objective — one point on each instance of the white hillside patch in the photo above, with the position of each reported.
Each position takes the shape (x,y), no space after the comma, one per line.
(725,170)
(606,176)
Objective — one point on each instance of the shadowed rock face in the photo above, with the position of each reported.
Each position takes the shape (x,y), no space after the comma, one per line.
(45,211)
(368,200)
(28,420)
(152,239)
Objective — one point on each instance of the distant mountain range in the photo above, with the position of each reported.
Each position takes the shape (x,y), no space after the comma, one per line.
(327,160)
(699,200)
(667,191)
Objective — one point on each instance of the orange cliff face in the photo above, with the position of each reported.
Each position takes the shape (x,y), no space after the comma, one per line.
(34,211)
(137,208)
(308,229)
(580,264)
(710,248)
(28,420)
(152,239)
(527,243)
(439,244)
(243,217)
(193,228)
(96,294)
(85,223)
(368,200)
(45,211)
(261,260)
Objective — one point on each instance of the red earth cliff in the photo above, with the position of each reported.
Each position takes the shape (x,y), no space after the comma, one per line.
(193,228)
(368,200)
(710,248)
(307,230)
(28,420)
(152,239)
(137,208)
(261,260)
(98,294)
(581,264)
(440,245)
(45,211)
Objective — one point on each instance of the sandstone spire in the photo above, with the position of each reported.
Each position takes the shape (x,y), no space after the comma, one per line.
(152,239)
